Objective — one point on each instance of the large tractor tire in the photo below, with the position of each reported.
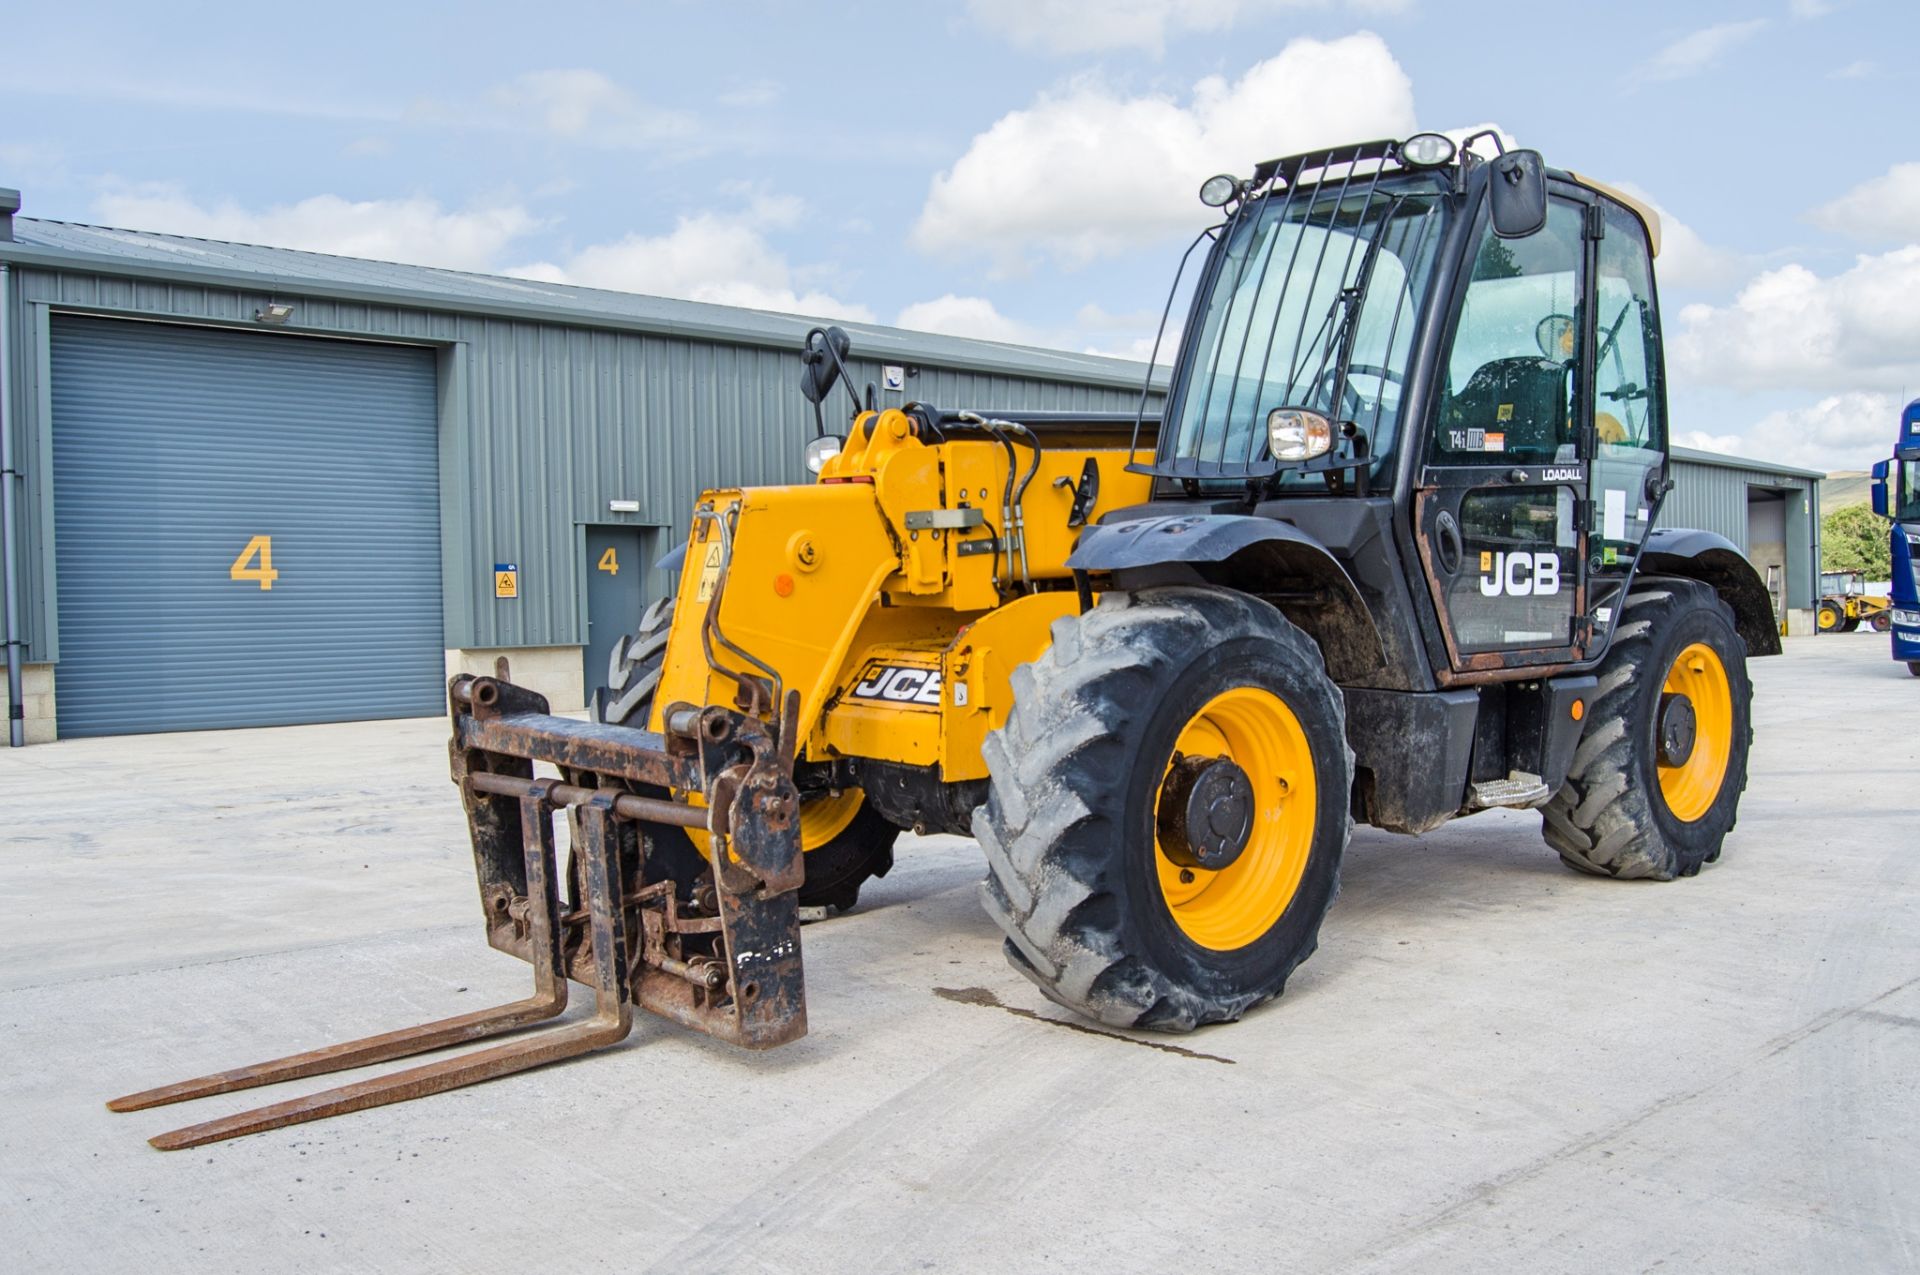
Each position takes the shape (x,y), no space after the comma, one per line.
(846,842)
(1850,624)
(1829,617)
(1656,780)
(1168,808)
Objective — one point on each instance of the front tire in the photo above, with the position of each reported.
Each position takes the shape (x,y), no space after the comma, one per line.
(1628,808)
(1083,870)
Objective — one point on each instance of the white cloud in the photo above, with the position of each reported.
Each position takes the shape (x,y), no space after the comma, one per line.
(1809,8)
(1791,328)
(1884,209)
(417,231)
(964,316)
(1840,431)
(1698,50)
(586,106)
(1860,70)
(1086,172)
(1686,260)
(1096,26)
(716,257)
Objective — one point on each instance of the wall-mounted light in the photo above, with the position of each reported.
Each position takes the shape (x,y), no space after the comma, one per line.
(275,313)
(623,506)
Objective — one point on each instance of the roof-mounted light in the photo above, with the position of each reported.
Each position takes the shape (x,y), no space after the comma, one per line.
(1427,150)
(1215,192)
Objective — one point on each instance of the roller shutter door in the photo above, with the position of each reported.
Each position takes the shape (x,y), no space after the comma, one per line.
(247,529)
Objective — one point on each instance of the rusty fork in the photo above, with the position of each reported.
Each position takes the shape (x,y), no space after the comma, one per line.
(611,1022)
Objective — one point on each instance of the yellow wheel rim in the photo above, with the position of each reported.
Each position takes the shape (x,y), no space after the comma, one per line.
(822,819)
(1691,787)
(1829,618)
(1230,908)
(825,817)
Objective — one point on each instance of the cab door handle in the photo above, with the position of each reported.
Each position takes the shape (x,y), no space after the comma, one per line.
(1447,547)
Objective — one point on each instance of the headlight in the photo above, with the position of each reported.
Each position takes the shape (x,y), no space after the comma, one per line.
(1906,618)
(1293,433)
(820,451)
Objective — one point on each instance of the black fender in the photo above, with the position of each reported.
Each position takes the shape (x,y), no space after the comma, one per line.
(1264,557)
(1714,560)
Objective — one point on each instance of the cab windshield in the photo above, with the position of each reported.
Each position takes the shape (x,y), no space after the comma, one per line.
(1308,281)
(1906,491)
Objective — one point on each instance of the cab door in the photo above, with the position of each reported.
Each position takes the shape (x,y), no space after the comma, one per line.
(1501,499)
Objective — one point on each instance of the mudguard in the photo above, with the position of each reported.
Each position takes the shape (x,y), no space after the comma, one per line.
(1713,559)
(1261,556)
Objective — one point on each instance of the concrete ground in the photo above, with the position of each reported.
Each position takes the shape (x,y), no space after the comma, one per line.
(1492,1063)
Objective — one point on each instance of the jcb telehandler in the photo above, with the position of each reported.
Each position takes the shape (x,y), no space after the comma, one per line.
(1386,553)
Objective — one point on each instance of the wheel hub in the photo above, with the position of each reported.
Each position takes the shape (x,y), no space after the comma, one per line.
(1676,729)
(1206,812)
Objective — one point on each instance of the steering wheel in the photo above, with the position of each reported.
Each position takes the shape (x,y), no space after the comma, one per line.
(1350,397)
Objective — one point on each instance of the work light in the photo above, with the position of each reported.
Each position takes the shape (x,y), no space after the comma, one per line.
(1216,191)
(1426,150)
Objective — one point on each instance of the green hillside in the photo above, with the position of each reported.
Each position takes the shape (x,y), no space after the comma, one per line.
(1843,487)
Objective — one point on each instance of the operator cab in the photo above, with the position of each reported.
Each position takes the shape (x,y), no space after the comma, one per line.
(1477,338)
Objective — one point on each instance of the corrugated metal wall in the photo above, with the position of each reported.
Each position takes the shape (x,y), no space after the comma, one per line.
(1710,497)
(1713,497)
(541,425)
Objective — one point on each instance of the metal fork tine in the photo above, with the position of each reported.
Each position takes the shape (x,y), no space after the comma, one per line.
(612,1020)
(548,1000)
(354,1053)
(415,1082)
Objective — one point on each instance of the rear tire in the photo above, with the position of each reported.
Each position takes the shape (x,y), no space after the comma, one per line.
(1829,617)
(1880,623)
(860,847)
(1077,876)
(1622,813)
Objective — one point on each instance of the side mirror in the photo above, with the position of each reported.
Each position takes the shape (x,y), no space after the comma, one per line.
(1879,487)
(821,359)
(1517,193)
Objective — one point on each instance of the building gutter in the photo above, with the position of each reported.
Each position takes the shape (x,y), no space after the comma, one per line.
(9,515)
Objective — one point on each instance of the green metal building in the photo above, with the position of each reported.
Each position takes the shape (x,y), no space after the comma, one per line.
(259,486)
(1772,512)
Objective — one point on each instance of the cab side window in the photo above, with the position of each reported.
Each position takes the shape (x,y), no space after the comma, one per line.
(1516,351)
(1629,431)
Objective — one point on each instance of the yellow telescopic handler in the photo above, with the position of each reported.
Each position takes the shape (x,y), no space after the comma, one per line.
(1387,553)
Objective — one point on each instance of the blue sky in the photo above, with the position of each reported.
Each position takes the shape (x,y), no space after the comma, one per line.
(1016,169)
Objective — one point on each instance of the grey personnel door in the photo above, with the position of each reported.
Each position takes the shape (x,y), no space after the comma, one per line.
(247,528)
(616,594)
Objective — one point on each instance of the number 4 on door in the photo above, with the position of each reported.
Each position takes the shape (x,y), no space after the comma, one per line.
(608,563)
(260,548)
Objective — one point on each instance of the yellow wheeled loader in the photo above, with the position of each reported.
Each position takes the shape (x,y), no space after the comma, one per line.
(1386,553)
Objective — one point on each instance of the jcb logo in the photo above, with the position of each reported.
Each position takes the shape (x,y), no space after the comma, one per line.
(900,684)
(1519,575)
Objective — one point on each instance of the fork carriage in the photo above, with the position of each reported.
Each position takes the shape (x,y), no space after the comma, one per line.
(723,958)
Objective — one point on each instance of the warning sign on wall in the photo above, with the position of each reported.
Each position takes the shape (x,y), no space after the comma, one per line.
(506,579)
